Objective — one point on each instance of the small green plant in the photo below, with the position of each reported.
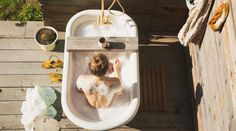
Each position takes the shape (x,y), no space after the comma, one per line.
(20,10)
(9,9)
(31,11)
(46,36)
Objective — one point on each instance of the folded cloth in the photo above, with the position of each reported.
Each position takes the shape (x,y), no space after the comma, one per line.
(194,28)
(38,103)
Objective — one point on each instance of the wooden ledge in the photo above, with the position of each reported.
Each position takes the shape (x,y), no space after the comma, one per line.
(91,44)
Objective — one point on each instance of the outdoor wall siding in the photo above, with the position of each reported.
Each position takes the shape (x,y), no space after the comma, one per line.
(152,16)
(213,72)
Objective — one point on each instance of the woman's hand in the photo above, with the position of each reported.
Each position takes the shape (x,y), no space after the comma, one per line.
(117,66)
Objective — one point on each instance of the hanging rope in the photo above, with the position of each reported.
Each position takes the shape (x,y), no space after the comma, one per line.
(109,9)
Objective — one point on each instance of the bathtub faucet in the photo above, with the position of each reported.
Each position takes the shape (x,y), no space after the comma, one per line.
(102,20)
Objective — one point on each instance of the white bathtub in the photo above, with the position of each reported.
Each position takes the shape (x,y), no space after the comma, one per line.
(74,104)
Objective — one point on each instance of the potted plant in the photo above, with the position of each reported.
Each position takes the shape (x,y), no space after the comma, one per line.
(46,38)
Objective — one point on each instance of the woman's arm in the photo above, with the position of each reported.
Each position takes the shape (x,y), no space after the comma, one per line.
(117,71)
(117,68)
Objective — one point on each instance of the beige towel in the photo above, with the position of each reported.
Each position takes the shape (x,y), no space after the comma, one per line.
(194,28)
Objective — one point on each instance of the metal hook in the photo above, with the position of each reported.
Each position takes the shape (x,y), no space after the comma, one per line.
(109,9)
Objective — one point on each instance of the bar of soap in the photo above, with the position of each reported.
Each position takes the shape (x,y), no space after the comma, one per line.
(45,123)
(47,94)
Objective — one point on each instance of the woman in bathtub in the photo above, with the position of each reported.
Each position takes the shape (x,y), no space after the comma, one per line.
(99,88)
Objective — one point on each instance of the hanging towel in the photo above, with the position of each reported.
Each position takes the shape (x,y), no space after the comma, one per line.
(194,28)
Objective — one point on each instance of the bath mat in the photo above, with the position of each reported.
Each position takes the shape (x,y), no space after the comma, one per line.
(152,86)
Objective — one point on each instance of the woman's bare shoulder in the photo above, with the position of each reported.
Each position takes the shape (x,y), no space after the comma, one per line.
(84,81)
(84,78)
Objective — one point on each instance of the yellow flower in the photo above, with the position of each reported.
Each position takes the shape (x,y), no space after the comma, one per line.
(55,77)
(57,64)
(52,64)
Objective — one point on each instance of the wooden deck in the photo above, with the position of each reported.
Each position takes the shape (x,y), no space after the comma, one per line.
(165,96)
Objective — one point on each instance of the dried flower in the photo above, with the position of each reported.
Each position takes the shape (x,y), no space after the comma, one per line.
(55,77)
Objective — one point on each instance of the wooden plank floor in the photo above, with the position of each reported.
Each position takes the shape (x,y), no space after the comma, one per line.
(165,99)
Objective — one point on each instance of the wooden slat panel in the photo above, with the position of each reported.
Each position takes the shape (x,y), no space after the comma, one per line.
(10,122)
(173,69)
(11,94)
(154,76)
(153,90)
(159,86)
(163,90)
(16,93)
(151,120)
(179,107)
(32,27)
(212,69)
(70,2)
(26,55)
(26,80)
(13,122)
(15,130)
(163,129)
(116,43)
(142,120)
(59,25)
(10,107)
(174,94)
(142,86)
(18,44)
(160,55)
(12,29)
(139,18)
(23,68)
(149,89)
(138,129)
(145,88)
(162,17)
(62,9)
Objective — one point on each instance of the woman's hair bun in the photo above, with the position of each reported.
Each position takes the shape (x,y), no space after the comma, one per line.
(98,64)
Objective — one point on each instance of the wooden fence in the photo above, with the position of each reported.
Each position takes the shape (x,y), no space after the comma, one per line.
(152,16)
(213,71)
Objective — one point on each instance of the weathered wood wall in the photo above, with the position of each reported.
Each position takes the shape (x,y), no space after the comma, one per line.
(213,72)
(152,16)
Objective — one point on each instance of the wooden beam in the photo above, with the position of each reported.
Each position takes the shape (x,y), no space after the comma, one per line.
(91,44)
